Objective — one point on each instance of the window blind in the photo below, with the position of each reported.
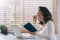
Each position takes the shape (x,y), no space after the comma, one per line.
(31,8)
(21,11)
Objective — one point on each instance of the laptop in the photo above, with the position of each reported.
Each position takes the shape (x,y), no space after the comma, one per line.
(16,31)
(18,34)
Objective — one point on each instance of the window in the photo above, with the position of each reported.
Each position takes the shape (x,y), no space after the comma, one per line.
(21,11)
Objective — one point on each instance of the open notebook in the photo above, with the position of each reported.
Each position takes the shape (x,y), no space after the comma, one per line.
(30,27)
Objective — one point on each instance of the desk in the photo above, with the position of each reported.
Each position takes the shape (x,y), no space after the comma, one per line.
(10,37)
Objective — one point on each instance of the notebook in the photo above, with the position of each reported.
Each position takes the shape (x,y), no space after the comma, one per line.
(30,27)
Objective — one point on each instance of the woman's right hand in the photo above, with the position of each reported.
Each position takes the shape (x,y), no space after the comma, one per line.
(35,18)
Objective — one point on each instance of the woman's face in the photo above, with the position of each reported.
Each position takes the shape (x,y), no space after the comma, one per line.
(40,16)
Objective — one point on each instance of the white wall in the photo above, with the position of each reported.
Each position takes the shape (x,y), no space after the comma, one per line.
(58,12)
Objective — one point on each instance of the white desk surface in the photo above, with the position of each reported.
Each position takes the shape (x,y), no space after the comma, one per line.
(10,37)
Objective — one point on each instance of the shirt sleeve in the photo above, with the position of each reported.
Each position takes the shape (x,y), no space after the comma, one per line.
(51,31)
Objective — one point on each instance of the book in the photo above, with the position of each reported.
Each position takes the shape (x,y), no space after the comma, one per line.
(30,27)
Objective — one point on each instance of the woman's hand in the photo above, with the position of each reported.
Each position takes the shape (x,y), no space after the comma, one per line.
(35,19)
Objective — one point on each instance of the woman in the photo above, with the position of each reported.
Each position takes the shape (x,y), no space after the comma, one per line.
(45,18)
